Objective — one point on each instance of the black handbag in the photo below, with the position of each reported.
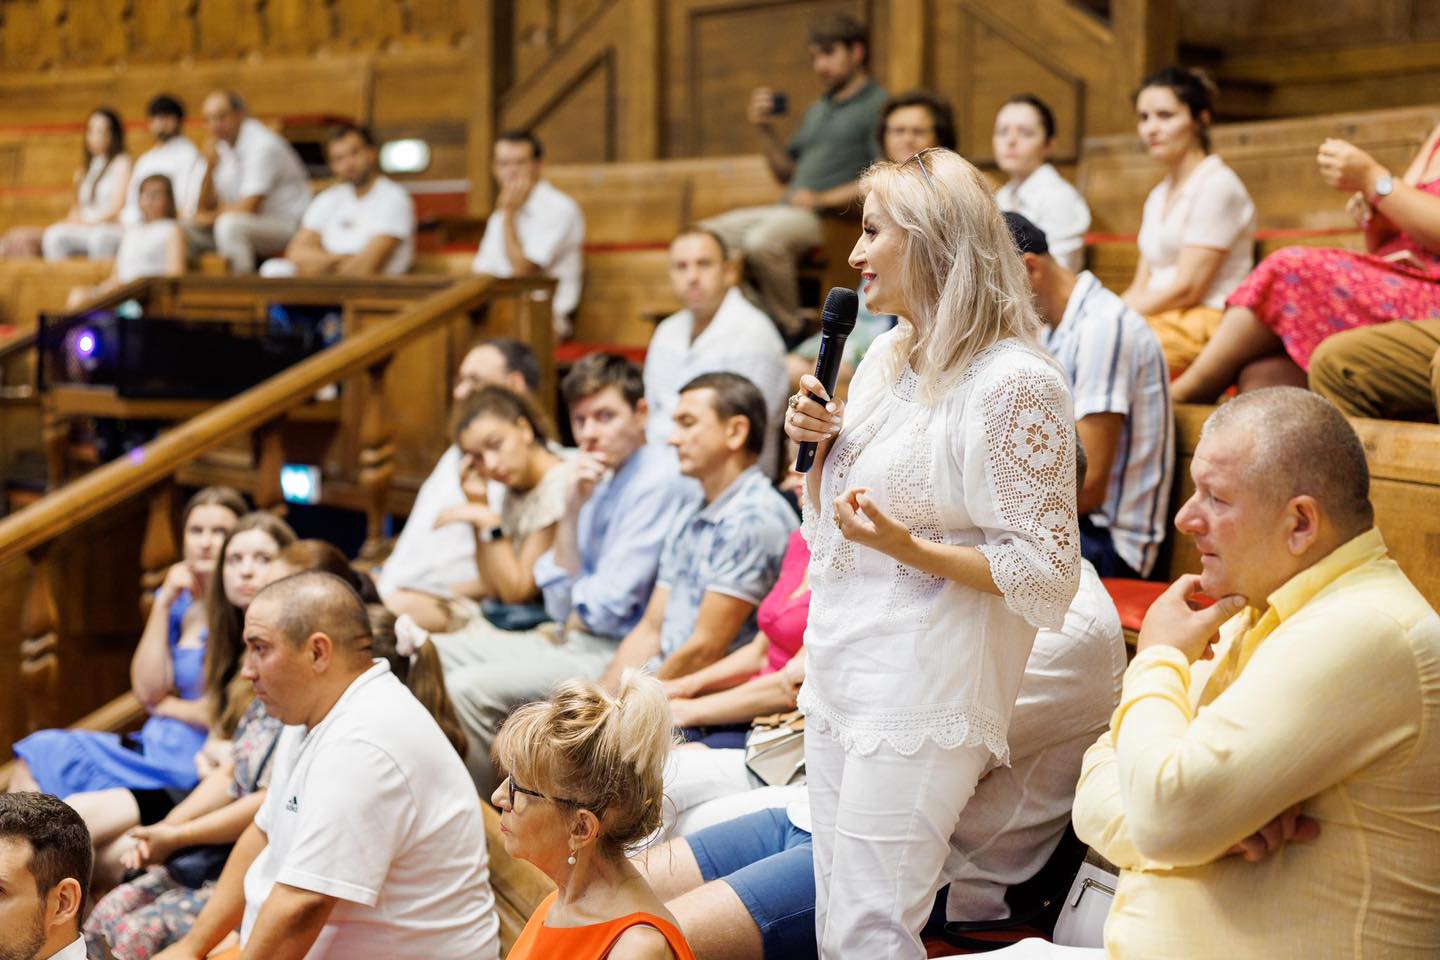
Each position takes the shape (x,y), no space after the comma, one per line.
(193,867)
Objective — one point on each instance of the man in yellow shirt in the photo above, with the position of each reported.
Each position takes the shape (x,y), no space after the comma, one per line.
(1314,717)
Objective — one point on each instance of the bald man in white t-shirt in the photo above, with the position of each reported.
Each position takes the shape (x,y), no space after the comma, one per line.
(362,226)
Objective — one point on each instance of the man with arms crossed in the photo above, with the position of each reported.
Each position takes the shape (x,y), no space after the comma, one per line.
(370,844)
(45,860)
(722,554)
(1315,716)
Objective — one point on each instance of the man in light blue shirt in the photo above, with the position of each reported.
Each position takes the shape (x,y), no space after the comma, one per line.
(597,577)
(599,574)
(721,555)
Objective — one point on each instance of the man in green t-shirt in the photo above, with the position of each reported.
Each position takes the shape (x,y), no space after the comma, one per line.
(819,166)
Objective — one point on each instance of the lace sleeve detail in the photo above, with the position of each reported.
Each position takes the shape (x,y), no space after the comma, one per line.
(1020,490)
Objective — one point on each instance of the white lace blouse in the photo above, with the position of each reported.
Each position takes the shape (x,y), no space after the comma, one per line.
(899,656)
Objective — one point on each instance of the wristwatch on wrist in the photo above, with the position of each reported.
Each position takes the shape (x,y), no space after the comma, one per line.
(1384,186)
(492,534)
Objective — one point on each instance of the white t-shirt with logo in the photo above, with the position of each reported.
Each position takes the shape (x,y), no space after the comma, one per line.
(374,806)
(347,223)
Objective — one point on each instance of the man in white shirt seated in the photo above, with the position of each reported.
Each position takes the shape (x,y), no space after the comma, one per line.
(362,226)
(370,843)
(1121,384)
(45,861)
(174,157)
(535,229)
(429,565)
(718,330)
(255,189)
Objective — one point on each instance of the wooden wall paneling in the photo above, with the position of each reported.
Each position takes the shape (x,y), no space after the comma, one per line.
(226,29)
(718,51)
(532,37)
(368,25)
(161,31)
(296,27)
(406,101)
(481,106)
(95,31)
(442,22)
(1003,64)
(580,127)
(32,39)
(1275,25)
(565,98)
(907,55)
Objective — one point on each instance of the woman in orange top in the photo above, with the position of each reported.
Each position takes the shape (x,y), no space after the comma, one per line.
(584,786)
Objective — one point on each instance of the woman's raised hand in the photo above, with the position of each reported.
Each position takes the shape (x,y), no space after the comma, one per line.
(1345,166)
(809,421)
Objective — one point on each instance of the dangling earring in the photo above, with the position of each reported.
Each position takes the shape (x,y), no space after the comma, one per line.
(571,859)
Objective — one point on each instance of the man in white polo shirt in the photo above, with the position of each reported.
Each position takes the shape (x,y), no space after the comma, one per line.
(718,330)
(535,229)
(255,188)
(370,844)
(1121,384)
(362,226)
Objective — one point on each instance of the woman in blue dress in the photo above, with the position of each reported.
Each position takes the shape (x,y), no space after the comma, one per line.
(165,674)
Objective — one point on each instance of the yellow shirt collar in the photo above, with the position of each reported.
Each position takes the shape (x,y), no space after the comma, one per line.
(1287,600)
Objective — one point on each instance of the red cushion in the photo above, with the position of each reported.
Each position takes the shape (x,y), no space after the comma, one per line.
(571,350)
(1132,598)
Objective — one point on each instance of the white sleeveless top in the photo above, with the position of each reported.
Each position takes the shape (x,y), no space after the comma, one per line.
(107,180)
(142,250)
(896,655)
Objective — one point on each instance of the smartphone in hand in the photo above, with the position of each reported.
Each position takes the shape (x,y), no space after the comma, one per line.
(779,103)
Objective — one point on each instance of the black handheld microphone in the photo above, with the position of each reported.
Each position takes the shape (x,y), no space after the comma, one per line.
(837,319)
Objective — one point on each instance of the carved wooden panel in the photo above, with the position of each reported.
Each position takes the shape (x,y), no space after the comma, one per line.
(718,51)
(580,128)
(161,30)
(988,66)
(226,29)
(295,26)
(95,31)
(367,24)
(32,38)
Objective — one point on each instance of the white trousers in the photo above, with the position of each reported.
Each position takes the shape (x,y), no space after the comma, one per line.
(882,826)
(97,241)
(242,237)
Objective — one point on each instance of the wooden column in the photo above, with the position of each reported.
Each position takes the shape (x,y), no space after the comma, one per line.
(905,61)
(269,458)
(158,550)
(480,126)
(55,432)
(1148,34)
(377,460)
(39,660)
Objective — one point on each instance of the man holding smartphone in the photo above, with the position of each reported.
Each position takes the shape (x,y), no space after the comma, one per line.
(819,166)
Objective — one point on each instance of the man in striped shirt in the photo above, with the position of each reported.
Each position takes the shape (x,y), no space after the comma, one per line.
(1122,408)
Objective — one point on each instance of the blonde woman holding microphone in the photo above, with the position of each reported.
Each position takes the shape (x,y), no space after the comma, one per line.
(942,527)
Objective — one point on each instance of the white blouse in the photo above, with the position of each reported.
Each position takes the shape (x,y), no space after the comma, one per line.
(1211,209)
(1049,201)
(144,250)
(899,656)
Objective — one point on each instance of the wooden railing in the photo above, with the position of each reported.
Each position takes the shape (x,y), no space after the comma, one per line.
(151,471)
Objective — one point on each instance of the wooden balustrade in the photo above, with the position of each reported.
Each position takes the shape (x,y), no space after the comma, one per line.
(516,307)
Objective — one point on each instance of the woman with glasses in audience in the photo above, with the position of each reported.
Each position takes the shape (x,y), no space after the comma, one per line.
(1024,141)
(583,788)
(942,529)
(1197,233)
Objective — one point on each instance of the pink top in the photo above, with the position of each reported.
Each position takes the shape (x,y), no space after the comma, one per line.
(782,614)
